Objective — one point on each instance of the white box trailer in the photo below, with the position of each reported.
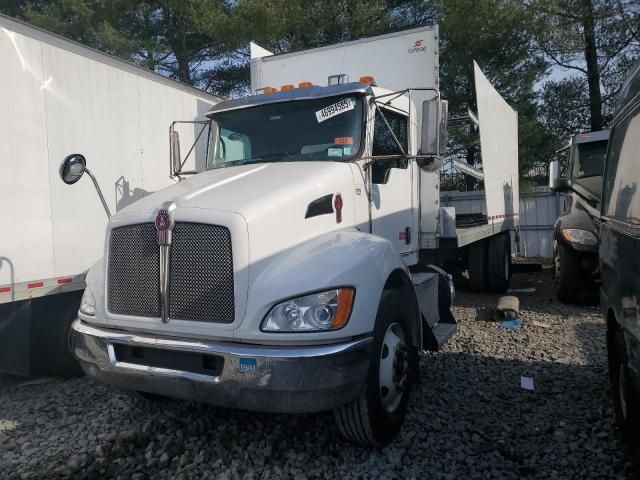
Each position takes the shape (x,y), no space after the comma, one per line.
(289,274)
(58,97)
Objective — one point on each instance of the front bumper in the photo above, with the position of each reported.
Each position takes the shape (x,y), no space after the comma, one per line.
(284,379)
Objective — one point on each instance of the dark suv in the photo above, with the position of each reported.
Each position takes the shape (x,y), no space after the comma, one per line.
(620,258)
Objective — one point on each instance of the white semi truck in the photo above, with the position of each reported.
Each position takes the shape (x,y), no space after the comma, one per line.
(289,274)
(58,96)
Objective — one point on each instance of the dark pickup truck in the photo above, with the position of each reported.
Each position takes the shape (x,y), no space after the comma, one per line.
(575,234)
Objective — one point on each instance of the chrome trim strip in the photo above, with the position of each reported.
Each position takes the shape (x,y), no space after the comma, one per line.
(203,346)
(164,283)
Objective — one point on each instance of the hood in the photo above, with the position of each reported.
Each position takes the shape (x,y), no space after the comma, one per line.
(237,189)
(264,207)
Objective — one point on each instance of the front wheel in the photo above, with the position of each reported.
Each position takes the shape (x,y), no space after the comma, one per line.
(374,418)
(567,277)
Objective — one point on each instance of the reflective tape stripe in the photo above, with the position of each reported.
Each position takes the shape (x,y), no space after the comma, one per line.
(13,292)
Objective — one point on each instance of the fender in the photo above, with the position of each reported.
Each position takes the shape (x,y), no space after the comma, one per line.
(345,258)
(576,217)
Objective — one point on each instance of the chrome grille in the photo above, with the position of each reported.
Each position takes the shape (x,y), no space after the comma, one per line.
(200,273)
(134,271)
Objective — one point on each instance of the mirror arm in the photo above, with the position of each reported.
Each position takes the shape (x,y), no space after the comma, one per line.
(95,184)
(204,126)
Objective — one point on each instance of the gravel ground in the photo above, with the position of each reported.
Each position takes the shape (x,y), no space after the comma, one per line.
(469,418)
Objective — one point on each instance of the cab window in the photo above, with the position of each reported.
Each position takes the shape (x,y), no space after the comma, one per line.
(384,144)
(233,146)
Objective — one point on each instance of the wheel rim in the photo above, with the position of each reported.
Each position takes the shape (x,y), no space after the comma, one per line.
(394,365)
(622,390)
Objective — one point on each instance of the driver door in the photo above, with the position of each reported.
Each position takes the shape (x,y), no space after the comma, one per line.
(392,206)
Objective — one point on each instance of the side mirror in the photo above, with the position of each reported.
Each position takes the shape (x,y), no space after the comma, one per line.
(561,185)
(176,162)
(72,168)
(434,128)
(557,183)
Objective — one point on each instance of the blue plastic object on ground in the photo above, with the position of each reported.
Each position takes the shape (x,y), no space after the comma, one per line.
(509,324)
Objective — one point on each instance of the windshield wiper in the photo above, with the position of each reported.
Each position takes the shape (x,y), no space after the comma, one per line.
(266,158)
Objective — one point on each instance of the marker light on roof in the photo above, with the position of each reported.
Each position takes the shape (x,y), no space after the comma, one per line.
(368,79)
(305,84)
(269,90)
(286,88)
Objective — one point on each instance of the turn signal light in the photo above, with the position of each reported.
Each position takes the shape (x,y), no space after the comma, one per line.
(305,84)
(368,79)
(286,88)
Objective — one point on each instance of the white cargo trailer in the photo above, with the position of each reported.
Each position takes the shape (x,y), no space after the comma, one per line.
(289,275)
(57,97)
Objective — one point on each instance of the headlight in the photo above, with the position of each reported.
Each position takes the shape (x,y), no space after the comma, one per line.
(583,237)
(88,302)
(321,311)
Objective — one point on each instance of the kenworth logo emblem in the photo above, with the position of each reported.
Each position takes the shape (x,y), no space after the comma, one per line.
(162,227)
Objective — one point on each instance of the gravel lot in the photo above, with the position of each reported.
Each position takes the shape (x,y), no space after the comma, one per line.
(469,418)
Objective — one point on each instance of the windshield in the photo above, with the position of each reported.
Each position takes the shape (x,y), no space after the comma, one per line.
(324,129)
(589,159)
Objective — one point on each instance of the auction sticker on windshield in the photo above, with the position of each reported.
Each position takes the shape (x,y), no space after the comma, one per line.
(342,106)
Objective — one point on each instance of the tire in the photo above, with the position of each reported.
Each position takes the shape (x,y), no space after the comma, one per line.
(625,397)
(374,418)
(567,276)
(499,263)
(478,266)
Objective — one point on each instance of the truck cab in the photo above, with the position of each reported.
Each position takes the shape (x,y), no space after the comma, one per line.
(285,276)
(575,234)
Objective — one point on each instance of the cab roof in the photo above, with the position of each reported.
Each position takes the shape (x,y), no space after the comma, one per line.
(306,93)
(591,136)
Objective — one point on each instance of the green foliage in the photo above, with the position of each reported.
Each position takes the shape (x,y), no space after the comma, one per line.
(497,37)
(565,107)
(205,43)
(593,42)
